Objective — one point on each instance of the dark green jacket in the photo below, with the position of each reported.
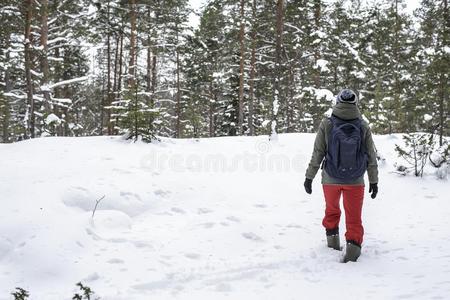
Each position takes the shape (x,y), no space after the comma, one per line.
(343,111)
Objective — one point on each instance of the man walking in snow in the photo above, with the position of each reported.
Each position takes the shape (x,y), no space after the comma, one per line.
(344,148)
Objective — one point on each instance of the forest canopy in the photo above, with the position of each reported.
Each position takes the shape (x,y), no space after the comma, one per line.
(110,67)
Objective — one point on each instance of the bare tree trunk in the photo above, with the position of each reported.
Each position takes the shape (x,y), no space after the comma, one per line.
(8,82)
(136,85)
(149,57)
(149,70)
(148,87)
(58,91)
(66,120)
(178,124)
(132,67)
(154,55)
(154,71)
(28,66)
(116,68)
(5,117)
(443,79)
(290,99)
(211,110)
(441,109)
(276,75)
(44,57)
(395,70)
(8,87)
(108,83)
(119,77)
(252,72)
(317,15)
(102,103)
(241,71)
(58,71)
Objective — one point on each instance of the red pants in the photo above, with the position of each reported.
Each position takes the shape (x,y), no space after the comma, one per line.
(353,200)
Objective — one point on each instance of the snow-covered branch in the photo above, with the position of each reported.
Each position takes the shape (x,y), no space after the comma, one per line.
(65,82)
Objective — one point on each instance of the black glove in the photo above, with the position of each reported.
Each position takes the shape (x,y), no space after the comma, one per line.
(307,185)
(373,189)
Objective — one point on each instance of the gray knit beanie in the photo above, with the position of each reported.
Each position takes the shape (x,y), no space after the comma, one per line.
(347,96)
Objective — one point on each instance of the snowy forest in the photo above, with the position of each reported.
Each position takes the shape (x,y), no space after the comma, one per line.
(111,67)
(170,149)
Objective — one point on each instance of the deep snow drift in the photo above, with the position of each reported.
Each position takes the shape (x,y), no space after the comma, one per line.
(223,218)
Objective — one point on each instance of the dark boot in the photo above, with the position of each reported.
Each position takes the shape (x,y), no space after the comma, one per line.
(333,239)
(352,251)
(333,242)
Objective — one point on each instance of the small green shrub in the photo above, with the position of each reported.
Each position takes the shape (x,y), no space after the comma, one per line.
(86,293)
(20,294)
(417,149)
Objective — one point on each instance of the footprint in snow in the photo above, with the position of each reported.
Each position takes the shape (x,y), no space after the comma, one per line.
(234,219)
(207,225)
(121,171)
(115,261)
(165,263)
(142,244)
(192,255)
(259,205)
(202,211)
(127,195)
(251,236)
(92,277)
(161,193)
(177,210)
(294,226)
(80,188)
(117,240)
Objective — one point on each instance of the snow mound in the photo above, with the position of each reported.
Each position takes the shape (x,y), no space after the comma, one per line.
(129,203)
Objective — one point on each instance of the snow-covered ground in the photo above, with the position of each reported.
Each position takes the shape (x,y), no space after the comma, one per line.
(223,218)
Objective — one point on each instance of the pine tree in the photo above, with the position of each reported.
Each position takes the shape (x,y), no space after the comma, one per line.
(434,51)
(12,104)
(204,66)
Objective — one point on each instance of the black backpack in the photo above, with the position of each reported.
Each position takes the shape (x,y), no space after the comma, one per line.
(346,156)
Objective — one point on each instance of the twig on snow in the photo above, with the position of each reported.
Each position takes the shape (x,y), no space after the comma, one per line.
(96,204)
